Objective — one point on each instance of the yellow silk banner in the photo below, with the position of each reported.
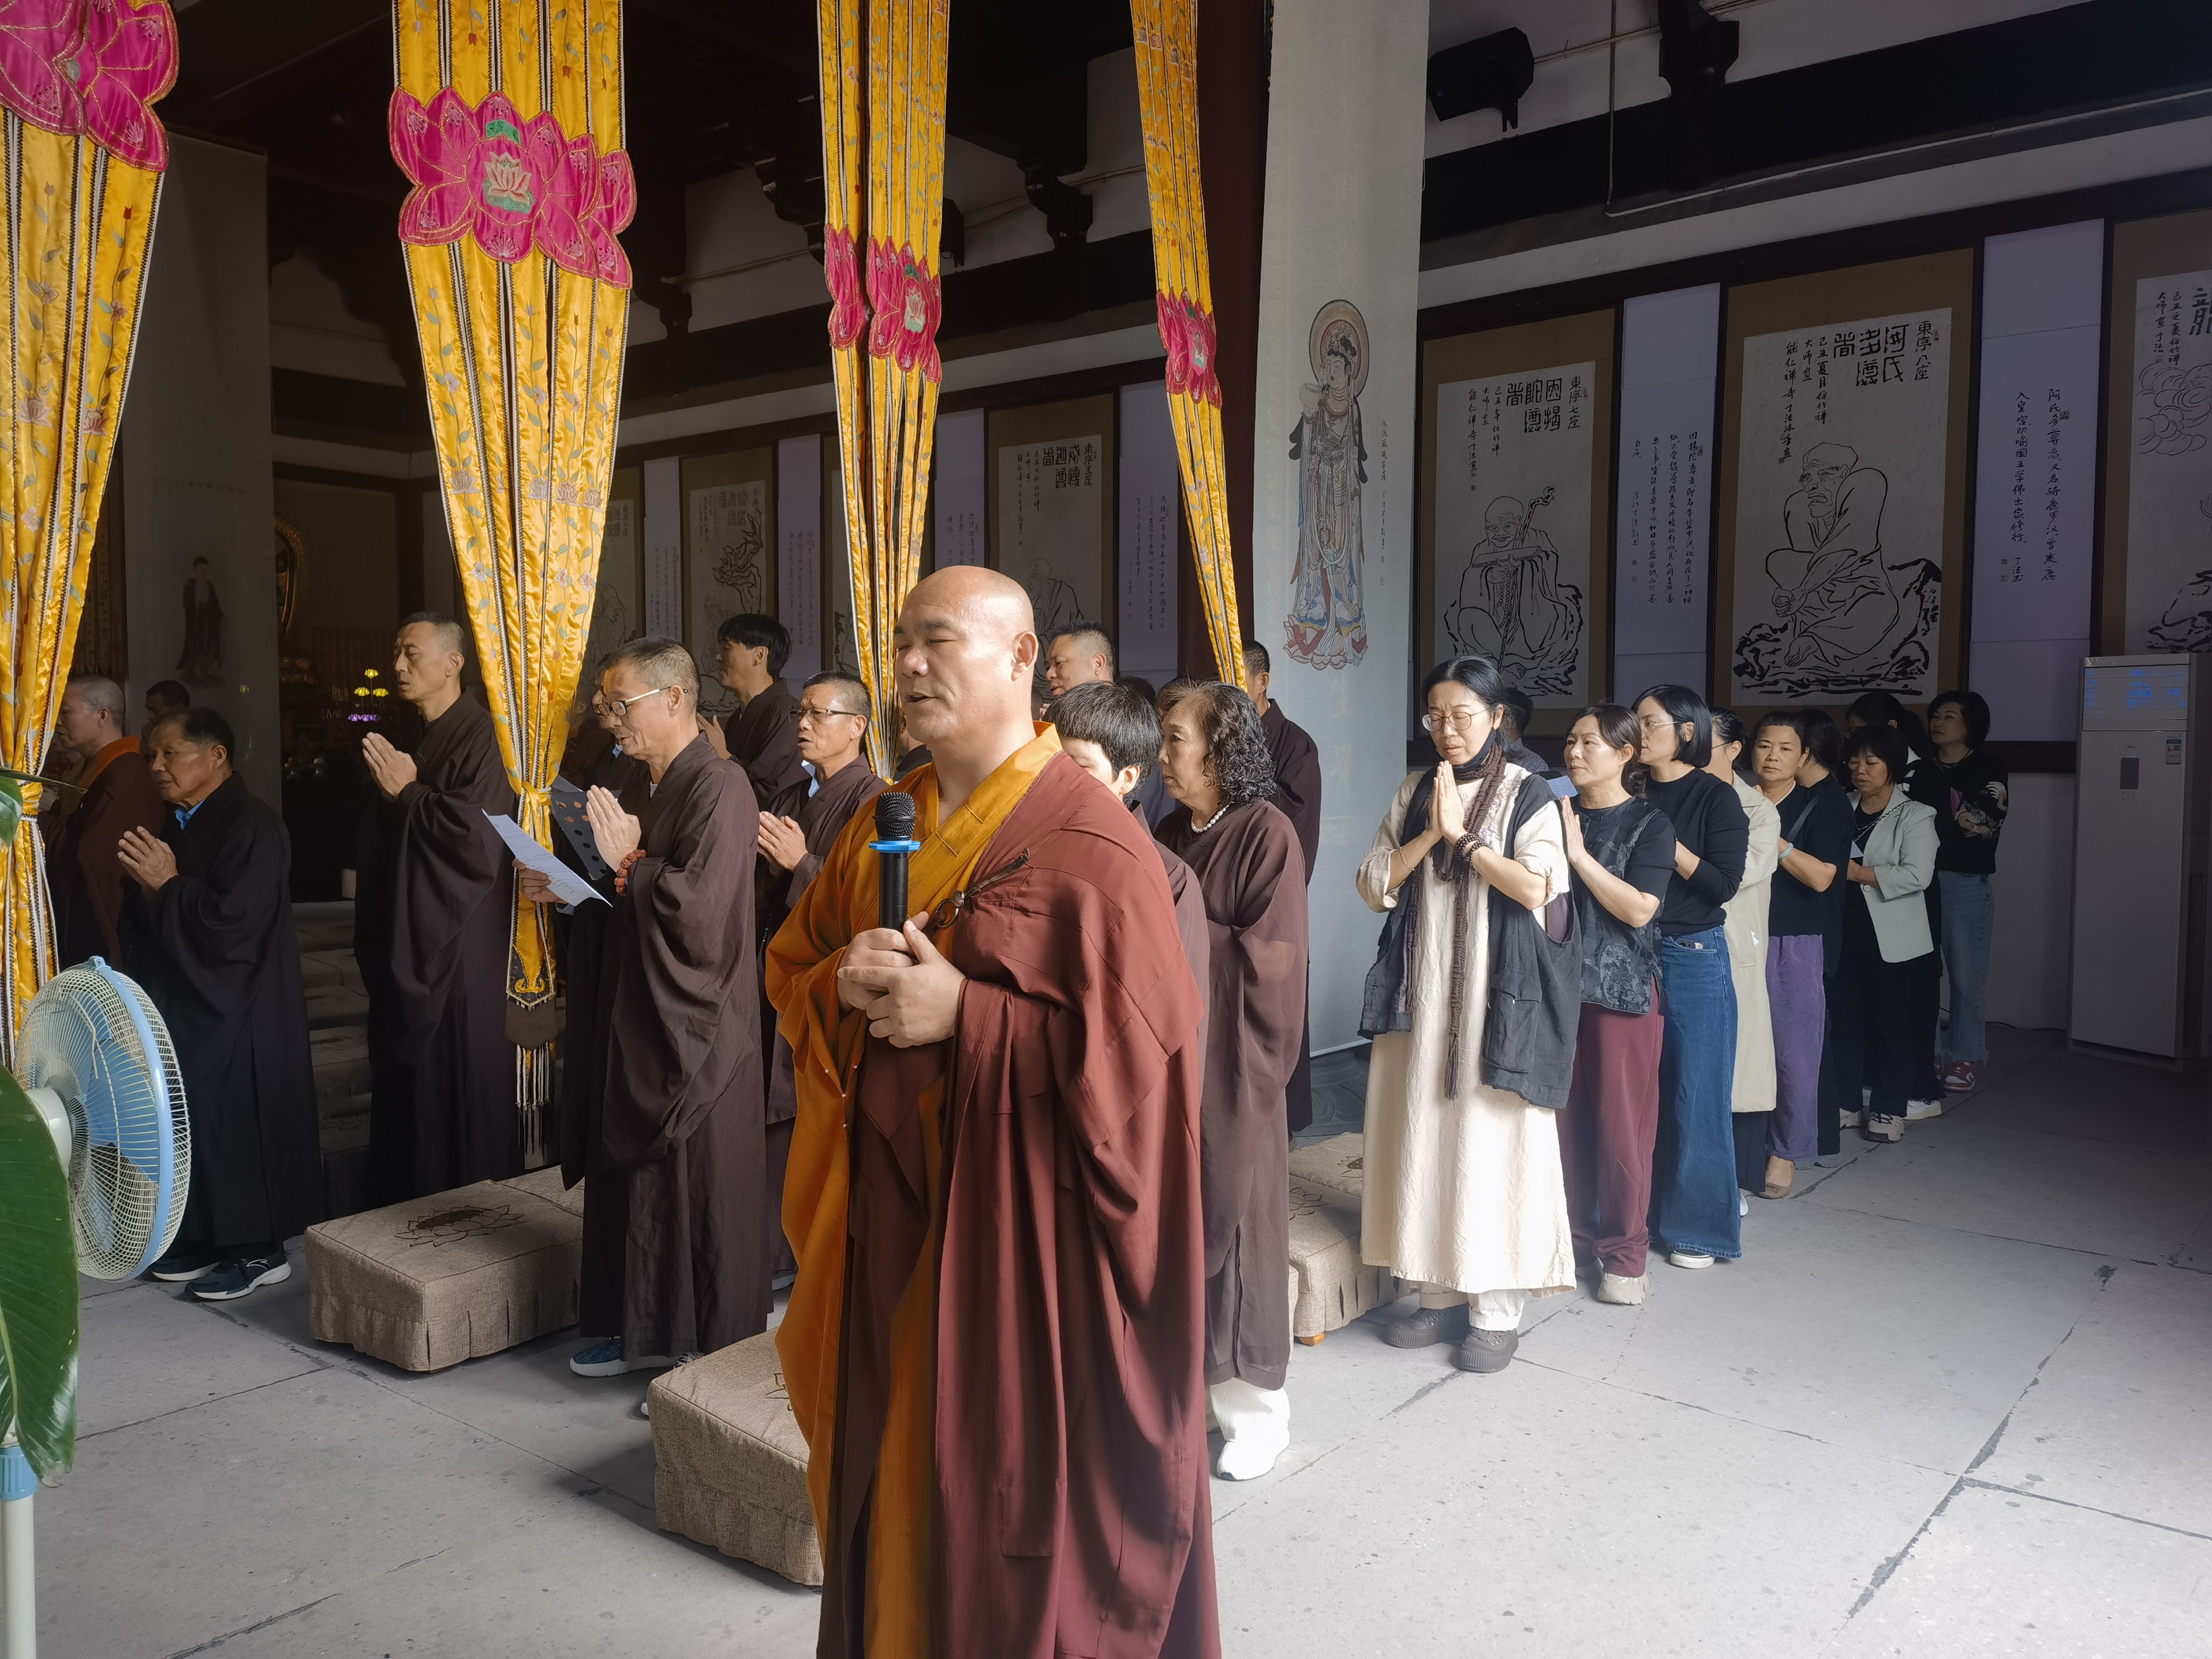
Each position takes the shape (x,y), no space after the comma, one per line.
(882,65)
(84,161)
(509,120)
(1167,93)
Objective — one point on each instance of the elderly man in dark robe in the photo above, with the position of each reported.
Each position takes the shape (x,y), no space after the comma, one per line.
(207,930)
(432,921)
(1296,763)
(119,795)
(994,1347)
(1245,856)
(662,1115)
(796,834)
(762,735)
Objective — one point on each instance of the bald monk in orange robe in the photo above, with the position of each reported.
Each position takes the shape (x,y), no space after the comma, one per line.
(995,1345)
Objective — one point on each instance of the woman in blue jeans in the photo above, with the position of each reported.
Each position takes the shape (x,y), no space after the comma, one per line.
(1968,786)
(1694,1214)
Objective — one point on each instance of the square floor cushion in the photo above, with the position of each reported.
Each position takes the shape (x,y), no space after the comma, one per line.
(427,1283)
(729,1465)
(1337,1166)
(1330,1285)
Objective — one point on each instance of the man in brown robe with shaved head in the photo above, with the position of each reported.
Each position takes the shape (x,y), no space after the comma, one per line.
(994,1346)
(661,1105)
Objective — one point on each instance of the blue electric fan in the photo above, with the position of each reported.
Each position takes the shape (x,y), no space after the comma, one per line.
(96,1059)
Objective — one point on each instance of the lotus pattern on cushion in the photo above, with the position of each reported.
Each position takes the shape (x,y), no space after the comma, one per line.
(91,67)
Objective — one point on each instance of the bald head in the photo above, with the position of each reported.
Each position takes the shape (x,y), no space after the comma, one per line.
(91,716)
(965,653)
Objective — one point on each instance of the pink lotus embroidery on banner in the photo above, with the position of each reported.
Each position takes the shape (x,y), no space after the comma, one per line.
(512,185)
(90,68)
(1186,332)
(1177,339)
(1204,379)
(841,269)
(908,303)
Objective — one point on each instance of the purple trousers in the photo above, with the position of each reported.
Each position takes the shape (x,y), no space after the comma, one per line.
(1605,1135)
(1796,992)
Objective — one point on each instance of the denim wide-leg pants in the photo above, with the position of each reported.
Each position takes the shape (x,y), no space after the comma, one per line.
(1694,1189)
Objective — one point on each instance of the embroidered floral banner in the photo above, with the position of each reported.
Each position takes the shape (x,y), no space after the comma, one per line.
(887,385)
(512,133)
(1167,93)
(84,158)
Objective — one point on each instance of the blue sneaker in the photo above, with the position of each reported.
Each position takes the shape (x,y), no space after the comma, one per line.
(605,1360)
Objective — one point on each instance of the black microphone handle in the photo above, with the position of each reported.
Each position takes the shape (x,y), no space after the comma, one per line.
(891,891)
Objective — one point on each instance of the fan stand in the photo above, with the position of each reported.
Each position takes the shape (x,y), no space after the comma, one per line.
(20,1610)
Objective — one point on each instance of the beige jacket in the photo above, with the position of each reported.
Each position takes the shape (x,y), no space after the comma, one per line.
(1744,921)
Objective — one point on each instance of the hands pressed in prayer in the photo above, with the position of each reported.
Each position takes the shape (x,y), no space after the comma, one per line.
(1571,831)
(783,842)
(711,729)
(910,993)
(1446,808)
(615,832)
(147,859)
(391,770)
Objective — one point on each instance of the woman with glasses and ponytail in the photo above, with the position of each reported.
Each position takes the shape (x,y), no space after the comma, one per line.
(1473,1005)
(1694,1214)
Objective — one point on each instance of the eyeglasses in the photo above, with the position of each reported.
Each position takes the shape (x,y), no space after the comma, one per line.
(801,714)
(619,707)
(1460,720)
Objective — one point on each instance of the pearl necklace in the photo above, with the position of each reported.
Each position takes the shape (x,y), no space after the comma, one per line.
(1198,828)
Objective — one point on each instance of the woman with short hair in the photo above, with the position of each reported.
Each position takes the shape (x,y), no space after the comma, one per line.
(1695,1216)
(1252,873)
(1621,850)
(1886,988)
(1971,791)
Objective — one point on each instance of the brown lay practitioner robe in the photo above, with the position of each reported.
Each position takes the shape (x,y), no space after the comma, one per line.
(1072,1513)
(83,873)
(216,952)
(1190,916)
(1248,867)
(1297,795)
(664,1116)
(763,738)
(823,816)
(432,921)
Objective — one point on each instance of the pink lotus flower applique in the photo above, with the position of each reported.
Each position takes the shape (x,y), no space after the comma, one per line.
(91,67)
(908,303)
(1177,339)
(1204,377)
(841,269)
(512,184)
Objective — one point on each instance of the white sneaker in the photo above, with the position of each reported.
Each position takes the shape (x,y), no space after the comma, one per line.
(1917,1109)
(1742,1203)
(1881,1127)
(1248,1459)
(1621,1293)
(1689,1259)
(1850,1119)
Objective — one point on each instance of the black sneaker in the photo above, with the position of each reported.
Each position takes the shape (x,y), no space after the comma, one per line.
(181,1266)
(1426,1327)
(1487,1351)
(235,1278)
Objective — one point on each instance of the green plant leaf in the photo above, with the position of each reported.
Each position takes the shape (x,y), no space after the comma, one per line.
(38,1287)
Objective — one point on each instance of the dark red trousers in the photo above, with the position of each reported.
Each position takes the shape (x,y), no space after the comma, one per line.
(1606,1134)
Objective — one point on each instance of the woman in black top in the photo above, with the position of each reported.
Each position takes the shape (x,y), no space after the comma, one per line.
(1970,789)
(1802,914)
(1620,851)
(1693,1190)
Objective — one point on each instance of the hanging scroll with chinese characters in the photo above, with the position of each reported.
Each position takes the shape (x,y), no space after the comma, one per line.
(883,152)
(1167,93)
(511,134)
(1845,482)
(1515,514)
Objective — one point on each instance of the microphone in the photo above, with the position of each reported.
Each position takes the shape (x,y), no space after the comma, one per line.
(893,844)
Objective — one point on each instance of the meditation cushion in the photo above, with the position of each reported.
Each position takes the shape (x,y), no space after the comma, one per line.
(729,1465)
(1336,1165)
(1330,1285)
(427,1283)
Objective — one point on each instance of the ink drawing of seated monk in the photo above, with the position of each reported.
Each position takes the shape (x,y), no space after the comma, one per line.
(1831,589)
(1512,606)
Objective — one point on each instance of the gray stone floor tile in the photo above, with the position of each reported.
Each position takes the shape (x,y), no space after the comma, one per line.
(1892,1338)
(2121,1417)
(1998,1576)
(249,1506)
(1974,1175)
(2197,1253)
(1534,1513)
(152,1352)
(595,1578)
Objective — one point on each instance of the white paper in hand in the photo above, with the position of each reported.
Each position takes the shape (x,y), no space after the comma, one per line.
(567,886)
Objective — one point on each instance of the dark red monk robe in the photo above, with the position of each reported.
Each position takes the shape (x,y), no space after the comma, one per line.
(432,924)
(822,817)
(82,872)
(665,1118)
(216,950)
(763,738)
(1248,867)
(1298,793)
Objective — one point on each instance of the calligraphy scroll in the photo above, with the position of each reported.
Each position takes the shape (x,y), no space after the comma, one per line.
(511,132)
